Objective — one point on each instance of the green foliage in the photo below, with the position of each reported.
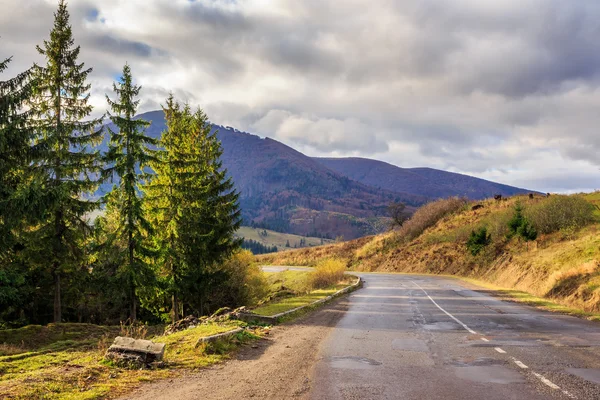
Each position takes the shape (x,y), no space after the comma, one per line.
(558,212)
(166,233)
(63,162)
(128,156)
(478,240)
(520,226)
(193,206)
(257,247)
(16,205)
(245,284)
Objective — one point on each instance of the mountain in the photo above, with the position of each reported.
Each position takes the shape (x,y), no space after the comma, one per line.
(427,182)
(284,190)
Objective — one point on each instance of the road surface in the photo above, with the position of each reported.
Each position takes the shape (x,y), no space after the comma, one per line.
(425,337)
(410,337)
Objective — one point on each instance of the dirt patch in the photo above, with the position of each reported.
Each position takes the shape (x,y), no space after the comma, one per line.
(276,367)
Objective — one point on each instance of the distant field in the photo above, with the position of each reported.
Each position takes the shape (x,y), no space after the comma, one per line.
(279,239)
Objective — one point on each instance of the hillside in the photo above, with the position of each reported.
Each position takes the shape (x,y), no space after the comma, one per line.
(561,264)
(280,240)
(427,182)
(284,190)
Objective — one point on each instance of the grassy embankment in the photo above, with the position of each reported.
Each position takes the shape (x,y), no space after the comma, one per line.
(559,270)
(65,361)
(293,289)
(278,239)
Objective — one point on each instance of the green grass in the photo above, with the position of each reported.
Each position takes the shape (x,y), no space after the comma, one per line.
(37,368)
(290,303)
(278,239)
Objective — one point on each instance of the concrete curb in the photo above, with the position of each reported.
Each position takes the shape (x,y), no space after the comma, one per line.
(218,336)
(274,319)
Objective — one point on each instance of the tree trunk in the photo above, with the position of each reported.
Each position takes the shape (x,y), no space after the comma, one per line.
(174,311)
(57,304)
(133,312)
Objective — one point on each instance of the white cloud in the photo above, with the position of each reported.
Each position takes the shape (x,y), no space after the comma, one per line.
(506,90)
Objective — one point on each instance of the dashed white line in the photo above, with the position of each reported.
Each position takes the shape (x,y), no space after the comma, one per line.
(446,312)
(546,381)
(519,363)
(542,378)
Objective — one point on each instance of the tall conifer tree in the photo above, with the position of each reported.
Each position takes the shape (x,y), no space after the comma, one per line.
(128,156)
(15,205)
(15,137)
(193,203)
(67,163)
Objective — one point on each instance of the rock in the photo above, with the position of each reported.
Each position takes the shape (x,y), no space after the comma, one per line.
(132,353)
(186,323)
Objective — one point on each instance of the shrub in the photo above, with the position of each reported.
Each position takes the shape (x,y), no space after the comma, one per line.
(247,284)
(519,225)
(328,272)
(428,215)
(478,240)
(557,213)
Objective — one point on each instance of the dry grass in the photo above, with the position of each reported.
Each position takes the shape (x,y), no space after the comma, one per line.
(560,265)
(428,215)
(327,273)
(48,366)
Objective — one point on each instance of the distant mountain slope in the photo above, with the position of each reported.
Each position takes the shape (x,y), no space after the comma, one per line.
(284,190)
(427,182)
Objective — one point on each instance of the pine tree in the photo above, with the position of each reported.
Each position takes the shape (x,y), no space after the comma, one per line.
(15,207)
(15,137)
(66,162)
(128,156)
(194,204)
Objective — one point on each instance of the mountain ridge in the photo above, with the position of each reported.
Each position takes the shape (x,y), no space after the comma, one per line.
(284,190)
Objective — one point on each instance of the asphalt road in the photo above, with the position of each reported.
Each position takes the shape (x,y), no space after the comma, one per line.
(425,337)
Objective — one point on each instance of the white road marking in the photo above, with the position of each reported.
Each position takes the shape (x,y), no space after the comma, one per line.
(445,312)
(542,378)
(519,363)
(546,381)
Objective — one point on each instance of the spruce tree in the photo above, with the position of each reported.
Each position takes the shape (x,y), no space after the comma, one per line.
(66,162)
(128,156)
(15,205)
(194,204)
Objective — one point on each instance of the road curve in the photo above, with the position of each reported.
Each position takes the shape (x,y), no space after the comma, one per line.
(427,337)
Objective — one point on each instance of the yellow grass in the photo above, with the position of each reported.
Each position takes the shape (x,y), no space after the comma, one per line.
(561,267)
(45,367)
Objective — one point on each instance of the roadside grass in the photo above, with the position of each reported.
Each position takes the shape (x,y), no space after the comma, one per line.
(290,303)
(38,368)
(522,297)
(293,289)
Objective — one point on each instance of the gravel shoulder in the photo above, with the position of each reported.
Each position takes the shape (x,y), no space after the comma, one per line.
(278,366)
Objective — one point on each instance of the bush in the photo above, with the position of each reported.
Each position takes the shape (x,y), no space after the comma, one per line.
(327,273)
(557,213)
(428,215)
(247,284)
(478,240)
(519,225)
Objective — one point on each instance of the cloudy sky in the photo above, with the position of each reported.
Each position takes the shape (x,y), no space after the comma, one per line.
(504,90)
